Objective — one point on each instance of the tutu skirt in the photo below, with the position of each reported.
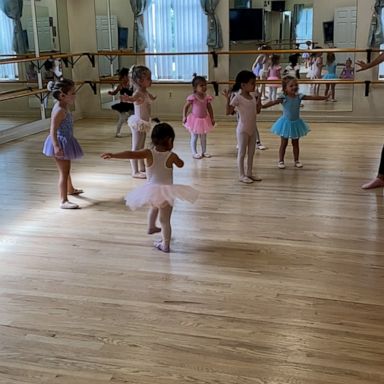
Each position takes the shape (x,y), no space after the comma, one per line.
(256,70)
(69,145)
(329,76)
(123,107)
(140,125)
(274,85)
(160,195)
(290,129)
(198,125)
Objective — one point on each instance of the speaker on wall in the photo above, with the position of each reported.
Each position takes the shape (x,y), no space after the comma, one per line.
(278,6)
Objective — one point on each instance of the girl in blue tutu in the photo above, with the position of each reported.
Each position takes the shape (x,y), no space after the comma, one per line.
(61,144)
(290,125)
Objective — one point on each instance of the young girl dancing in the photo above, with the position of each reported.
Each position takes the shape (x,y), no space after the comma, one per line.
(243,99)
(290,125)
(348,72)
(159,191)
(274,73)
(200,121)
(331,74)
(61,144)
(140,121)
(123,108)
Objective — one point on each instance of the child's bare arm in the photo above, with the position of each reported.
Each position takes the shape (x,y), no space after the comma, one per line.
(313,97)
(210,111)
(135,155)
(115,91)
(176,160)
(229,109)
(186,110)
(271,103)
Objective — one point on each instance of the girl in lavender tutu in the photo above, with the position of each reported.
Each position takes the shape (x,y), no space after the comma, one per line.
(159,192)
(200,121)
(61,144)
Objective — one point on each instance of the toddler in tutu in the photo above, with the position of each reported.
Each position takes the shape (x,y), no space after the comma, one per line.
(159,192)
(61,144)
(290,125)
(200,121)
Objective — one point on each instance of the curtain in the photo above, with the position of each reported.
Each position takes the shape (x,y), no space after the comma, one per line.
(14,10)
(297,13)
(138,8)
(170,26)
(376,38)
(7,71)
(215,36)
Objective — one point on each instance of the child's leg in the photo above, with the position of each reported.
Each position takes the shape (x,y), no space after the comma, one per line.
(251,152)
(120,122)
(283,147)
(152,217)
(333,92)
(203,140)
(242,142)
(193,144)
(142,137)
(166,230)
(64,167)
(326,89)
(136,145)
(296,150)
(377,182)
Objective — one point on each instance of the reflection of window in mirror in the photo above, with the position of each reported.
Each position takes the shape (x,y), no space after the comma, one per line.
(242,4)
(304,26)
(7,71)
(381,66)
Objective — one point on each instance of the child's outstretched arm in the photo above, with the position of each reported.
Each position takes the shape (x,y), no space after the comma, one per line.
(230,109)
(152,97)
(258,101)
(135,155)
(174,159)
(313,97)
(115,91)
(271,103)
(56,119)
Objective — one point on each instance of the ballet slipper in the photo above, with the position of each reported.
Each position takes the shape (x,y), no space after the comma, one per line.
(158,244)
(375,183)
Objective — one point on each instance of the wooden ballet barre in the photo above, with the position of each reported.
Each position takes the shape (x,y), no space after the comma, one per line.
(18,94)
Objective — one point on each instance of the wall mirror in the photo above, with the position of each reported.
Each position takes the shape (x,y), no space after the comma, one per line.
(114,31)
(283,24)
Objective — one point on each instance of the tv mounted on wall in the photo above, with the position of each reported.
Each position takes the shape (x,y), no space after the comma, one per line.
(246,24)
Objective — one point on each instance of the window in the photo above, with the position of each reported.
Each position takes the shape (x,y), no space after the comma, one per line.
(304,28)
(176,26)
(7,71)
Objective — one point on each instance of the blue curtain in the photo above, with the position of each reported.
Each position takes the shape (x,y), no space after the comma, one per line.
(376,38)
(215,36)
(14,10)
(138,8)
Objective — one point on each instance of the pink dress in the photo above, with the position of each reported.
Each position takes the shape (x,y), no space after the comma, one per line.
(159,191)
(199,121)
(274,74)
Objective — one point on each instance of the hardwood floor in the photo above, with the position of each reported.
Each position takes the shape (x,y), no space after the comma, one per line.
(277,282)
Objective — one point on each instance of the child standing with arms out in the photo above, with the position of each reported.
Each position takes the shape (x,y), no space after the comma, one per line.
(61,144)
(348,72)
(200,121)
(330,66)
(243,99)
(140,122)
(159,192)
(124,109)
(290,125)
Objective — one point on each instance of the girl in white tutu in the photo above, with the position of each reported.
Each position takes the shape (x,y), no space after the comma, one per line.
(140,121)
(290,125)
(200,121)
(159,192)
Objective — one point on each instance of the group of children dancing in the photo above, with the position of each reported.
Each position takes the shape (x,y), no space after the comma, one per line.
(156,164)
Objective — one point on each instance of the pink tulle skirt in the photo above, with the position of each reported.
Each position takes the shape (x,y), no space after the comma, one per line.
(160,195)
(198,125)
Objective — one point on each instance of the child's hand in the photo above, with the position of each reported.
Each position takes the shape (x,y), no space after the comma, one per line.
(58,152)
(106,155)
(152,97)
(213,121)
(225,93)
(110,93)
(184,120)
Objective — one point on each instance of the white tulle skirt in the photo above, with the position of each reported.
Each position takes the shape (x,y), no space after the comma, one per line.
(160,195)
(140,125)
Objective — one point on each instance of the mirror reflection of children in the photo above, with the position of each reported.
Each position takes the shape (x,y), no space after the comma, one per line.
(159,192)
(274,73)
(348,71)
(330,66)
(125,109)
(201,120)
(290,125)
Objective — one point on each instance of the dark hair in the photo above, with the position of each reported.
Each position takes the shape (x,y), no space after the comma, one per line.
(139,72)
(330,57)
(293,59)
(285,81)
(161,133)
(275,59)
(124,72)
(198,80)
(242,77)
(59,87)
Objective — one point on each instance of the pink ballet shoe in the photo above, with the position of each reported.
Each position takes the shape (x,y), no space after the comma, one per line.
(375,183)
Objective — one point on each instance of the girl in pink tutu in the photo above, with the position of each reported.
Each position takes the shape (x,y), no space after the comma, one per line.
(200,121)
(159,191)
(61,144)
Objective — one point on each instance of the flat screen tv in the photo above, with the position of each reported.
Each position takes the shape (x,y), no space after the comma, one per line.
(246,24)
